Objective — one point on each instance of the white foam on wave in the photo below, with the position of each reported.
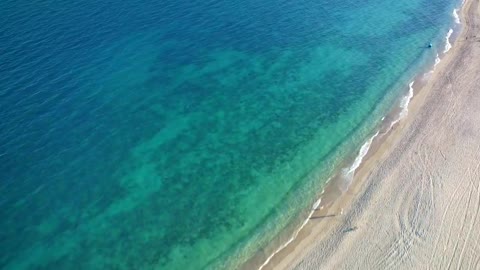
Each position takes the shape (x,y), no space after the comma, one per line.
(404,105)
(437,61)
(406,100)
(295,234)
(455,16)
(448,45)
(427,75)
(358,160)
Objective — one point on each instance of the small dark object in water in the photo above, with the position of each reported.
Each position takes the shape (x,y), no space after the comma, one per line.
(429,45)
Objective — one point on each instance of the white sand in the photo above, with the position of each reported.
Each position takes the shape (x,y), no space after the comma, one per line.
(415,203)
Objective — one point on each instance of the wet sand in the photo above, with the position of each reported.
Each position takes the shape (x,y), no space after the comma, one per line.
(415,201)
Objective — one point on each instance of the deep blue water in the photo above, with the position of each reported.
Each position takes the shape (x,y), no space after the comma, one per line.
(186,135)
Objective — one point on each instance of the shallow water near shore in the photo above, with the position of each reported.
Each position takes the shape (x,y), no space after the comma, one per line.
(181,135)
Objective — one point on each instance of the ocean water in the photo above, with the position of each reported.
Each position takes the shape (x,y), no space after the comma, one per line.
(187,134)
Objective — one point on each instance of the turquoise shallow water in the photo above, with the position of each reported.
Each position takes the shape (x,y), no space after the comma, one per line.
(186,135)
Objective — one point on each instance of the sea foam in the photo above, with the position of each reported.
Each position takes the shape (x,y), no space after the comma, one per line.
(455,15)
(406,100)
(437,61)
(361,155)
(448,45)
(427,75)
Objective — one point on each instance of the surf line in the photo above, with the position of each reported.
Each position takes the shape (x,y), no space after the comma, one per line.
(448,45)
(295,234)
(349,173)
(358,160)
(455,15)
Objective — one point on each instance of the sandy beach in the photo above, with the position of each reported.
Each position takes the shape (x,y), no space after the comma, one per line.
(415,201)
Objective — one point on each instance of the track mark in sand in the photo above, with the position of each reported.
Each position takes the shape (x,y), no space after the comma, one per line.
(457,240)
(415,210)
(442,223)
(452,222)
(412,208)
(442,154)
(432,191)
(395,248)
(386,260)
(449,111)
(474,219)
(430,178)
(476,246)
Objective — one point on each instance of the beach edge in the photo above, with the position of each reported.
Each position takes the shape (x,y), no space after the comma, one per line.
(326,221)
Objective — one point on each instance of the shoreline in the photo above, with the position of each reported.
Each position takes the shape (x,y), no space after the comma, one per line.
(324,221)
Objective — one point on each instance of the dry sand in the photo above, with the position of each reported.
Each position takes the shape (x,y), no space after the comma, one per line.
(415,202)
